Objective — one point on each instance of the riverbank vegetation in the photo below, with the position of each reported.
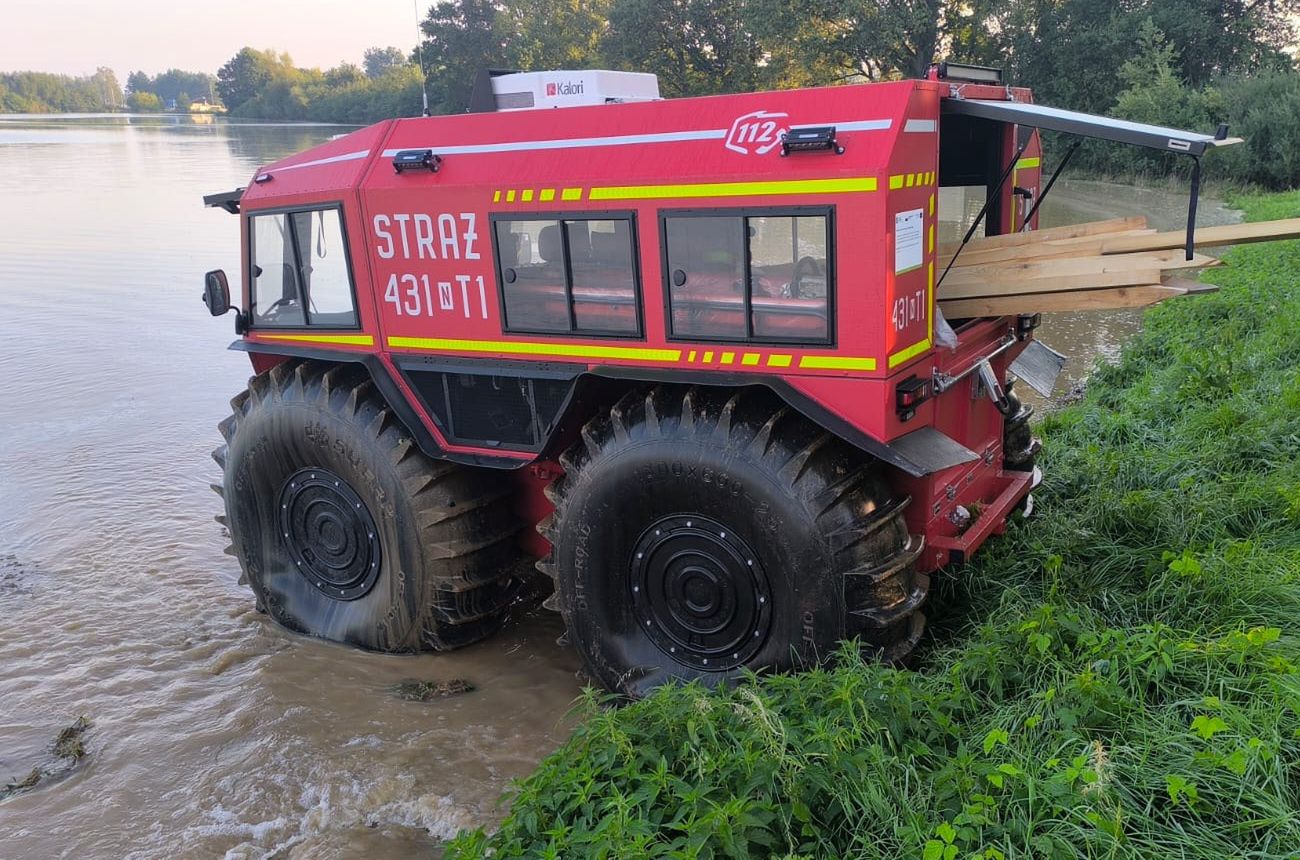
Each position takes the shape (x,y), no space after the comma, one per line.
(41,92)
(1118,676)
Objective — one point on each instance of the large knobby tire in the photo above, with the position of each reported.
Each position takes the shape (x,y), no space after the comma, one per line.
(700,532)
(346,531)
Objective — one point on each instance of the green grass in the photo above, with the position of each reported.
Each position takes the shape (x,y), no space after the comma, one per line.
(1118,677)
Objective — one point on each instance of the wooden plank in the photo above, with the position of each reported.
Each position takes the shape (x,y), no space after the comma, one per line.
(1041,250)
(1191,286)
(1070,231)
(1206,237)
(1117,298)
(1013,272)
(980,287)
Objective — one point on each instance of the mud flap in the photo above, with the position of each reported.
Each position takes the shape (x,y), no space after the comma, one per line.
(1038,366)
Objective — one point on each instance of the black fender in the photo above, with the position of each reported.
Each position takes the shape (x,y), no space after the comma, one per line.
(588,388)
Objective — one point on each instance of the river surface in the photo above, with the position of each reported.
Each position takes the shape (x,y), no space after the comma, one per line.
(213,732)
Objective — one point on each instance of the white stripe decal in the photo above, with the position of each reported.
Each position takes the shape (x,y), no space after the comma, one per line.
(615,140)
(333,159)
(922,125)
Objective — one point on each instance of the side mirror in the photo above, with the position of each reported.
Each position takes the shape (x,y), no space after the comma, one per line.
(216,292)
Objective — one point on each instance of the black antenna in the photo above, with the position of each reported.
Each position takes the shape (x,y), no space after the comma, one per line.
(419,53)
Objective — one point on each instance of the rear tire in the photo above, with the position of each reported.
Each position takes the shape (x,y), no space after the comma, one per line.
(347,532)
(698,534)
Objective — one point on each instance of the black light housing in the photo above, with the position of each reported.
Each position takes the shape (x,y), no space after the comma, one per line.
(971,74)
(1026,323)
(416,159)
(909,394)
(813,138)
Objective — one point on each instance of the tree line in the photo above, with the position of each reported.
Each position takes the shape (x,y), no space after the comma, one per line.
(174,89)
(42,92)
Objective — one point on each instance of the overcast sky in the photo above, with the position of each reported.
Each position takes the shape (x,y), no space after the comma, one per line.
(76,36)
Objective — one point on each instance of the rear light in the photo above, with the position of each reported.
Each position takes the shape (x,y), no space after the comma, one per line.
(909,394)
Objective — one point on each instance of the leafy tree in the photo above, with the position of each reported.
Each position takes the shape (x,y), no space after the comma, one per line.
(138,82)
(247,73)
(173,83)
(462,37)
(555,34)
(380,61)
(694,46)
(143,101)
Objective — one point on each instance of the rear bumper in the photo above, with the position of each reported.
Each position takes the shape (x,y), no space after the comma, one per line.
(1011,488)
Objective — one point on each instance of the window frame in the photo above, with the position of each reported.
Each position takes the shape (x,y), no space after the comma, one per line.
(307,324)
(628,215)
(746,212)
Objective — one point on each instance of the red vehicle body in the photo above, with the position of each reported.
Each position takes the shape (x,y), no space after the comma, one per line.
(428,262)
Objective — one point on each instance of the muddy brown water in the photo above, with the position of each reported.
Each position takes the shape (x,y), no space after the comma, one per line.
(214,733)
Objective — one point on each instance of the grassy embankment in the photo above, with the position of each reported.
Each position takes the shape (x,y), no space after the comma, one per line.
(1118,677)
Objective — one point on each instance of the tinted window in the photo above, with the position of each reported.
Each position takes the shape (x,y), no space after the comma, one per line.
(569,275)
(300,270)
(749,277)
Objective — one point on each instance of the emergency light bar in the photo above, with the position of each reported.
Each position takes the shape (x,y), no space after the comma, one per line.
(972,74)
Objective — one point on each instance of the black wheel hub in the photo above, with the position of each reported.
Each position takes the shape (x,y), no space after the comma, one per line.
(699,592)
(329,533)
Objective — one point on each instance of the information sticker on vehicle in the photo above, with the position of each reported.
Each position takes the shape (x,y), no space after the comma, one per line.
(909,233)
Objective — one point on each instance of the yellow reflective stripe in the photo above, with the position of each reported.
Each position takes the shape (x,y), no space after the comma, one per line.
(930,278)
(568,350)
(691,356)
(896,182)
(708,357)
(911,352)
(548,194)
(528,195)
(349,339)
(734,189)
(1024,163)
(835,362)
(728,357)
(932,196)
(571,194)
(750,359)
(496,196)
(779,360)
(510,196)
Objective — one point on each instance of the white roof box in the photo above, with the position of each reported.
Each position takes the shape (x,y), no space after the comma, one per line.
(531,90)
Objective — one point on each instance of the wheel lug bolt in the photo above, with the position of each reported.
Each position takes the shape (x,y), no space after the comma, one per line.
(724,534)
(762,600)
(638,555)
(750,562)
(688,525)
(635,589)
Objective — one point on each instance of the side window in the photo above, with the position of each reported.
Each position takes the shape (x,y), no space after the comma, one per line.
(751,277)
(300,270)
(568,275)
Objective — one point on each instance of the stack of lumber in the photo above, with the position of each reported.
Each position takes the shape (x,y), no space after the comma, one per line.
(1100,265)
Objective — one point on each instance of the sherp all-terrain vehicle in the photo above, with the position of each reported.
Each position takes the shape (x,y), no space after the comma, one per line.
(682,354)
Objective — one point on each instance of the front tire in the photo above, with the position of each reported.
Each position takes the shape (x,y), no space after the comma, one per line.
(346,531)
(698,534)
